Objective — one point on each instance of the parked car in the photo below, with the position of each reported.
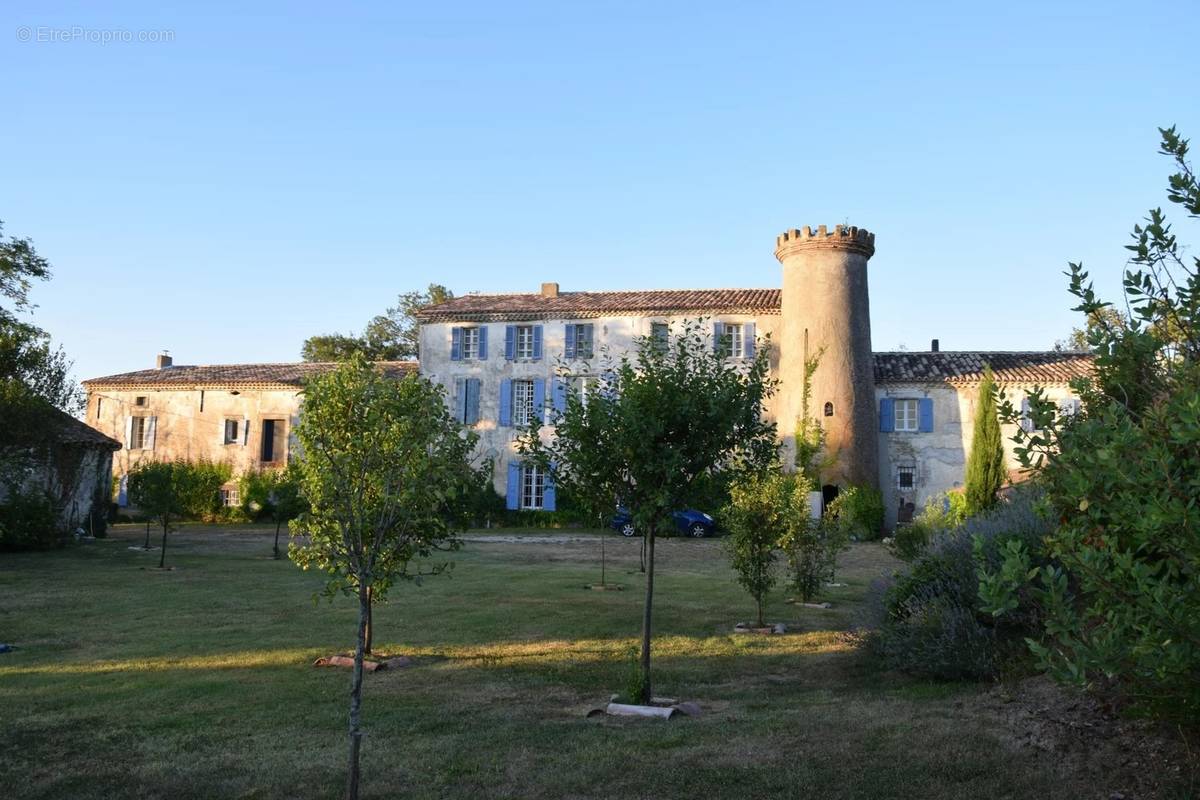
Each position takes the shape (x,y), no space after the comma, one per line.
(688,522)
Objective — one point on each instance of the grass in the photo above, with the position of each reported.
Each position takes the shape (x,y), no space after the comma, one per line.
(197,682)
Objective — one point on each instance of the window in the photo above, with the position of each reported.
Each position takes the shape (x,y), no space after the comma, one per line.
(523,343)
(532,487)
(99,401)
(139,401)
(274,441)
(905,478)
(907,415)
(230,497)
(737,341)
(580,340)
(660,336)
(734,339)
(522,409)
(231,431)
(137,433)
(470,343)
(1068,406)
(582,386)
(829,409)
(466,400)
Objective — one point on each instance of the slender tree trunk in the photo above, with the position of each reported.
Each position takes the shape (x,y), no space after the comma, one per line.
(603,580)
(370,621)
(758,600)
(364,613)
(646,615)
(146,546)
(162,557)
(642,556)
(278,523)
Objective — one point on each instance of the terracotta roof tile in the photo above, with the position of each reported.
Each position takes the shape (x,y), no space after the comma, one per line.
(486,307)
(967,367)
(281,376)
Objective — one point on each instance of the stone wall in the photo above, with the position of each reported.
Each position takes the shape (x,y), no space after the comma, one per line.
(189,424)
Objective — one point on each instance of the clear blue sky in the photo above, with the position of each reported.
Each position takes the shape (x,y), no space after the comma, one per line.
(276,172)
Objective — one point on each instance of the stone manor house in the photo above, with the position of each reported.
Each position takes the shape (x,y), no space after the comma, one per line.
(900,421)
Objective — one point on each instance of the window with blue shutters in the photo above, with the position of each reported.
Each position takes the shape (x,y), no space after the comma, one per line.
(579,340)
(468,344)
(523,342)
(906,414)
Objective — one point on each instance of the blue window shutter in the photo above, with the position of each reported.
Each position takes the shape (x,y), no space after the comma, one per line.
(472,400)
(510,342)
(456,344)
(887,415)
(718,335)
(512,497)
(460,399)
(506,401)
(558,395)
(539,400)
(925,415)
(570,348)
(537,342)
(748,339)
(549,501)
(483,342)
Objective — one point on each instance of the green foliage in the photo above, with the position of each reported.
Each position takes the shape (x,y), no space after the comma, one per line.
(391,336)
(636,690)
(812,545)
(163,491)
(859,512)
(1121,593)
(811,458)
(757,516)
(986,471)
(932,618)
(199,489)
(272,494)
(385,469)
(661,420)
(28,521)
(941,513)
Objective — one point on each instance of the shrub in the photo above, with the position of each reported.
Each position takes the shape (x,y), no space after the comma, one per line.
(859,512)
(28,521)
(813,548)
(930,618)
(941,513)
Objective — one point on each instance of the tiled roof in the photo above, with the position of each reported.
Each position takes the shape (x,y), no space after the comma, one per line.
(967,367)
(259,376)
(485,307)
(69,430)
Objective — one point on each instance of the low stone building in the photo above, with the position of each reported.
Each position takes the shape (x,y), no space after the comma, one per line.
(236,414)
(71,464)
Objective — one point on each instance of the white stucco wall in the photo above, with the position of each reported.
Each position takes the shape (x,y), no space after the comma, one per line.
(617,333)
(939,458)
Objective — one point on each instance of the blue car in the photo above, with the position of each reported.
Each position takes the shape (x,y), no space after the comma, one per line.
(688,522)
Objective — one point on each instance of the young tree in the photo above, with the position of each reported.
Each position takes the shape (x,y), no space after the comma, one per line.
(985,466)
(660,419)
(156,487)
(391,336)
(756,519)
(384,467)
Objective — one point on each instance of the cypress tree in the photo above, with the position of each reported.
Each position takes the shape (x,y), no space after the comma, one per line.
(985,467)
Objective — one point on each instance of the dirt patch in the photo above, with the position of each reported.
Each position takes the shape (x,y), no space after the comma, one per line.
(1135,759)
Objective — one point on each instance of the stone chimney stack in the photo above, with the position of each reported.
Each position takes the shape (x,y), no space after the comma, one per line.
(163,360)
(549,290)
(826,314)
(933,346)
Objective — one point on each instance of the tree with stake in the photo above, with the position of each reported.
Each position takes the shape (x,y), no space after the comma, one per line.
(275,490)
(985,466)
(384,468)
(155,488)
(660,420)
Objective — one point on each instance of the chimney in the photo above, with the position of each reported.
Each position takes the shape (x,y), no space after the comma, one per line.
(163,360)
(933,346)
(549,290)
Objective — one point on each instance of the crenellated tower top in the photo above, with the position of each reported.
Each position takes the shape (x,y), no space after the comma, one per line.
(843,237)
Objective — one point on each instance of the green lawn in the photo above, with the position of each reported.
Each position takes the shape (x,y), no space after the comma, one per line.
(197,682)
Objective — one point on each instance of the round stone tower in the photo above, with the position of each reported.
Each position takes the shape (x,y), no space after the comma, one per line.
(827,312)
